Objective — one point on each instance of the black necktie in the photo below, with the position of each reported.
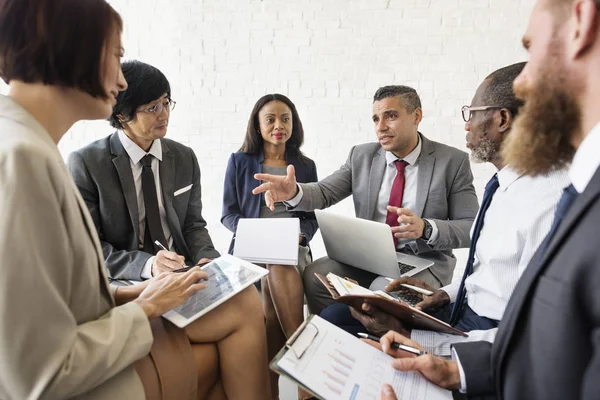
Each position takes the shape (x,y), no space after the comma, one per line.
(153,229)
(490,189)
(564,204)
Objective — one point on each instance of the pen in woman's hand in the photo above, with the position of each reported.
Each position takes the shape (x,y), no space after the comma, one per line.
(395,345)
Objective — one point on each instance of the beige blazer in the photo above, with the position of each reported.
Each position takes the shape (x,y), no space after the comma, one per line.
(61,335)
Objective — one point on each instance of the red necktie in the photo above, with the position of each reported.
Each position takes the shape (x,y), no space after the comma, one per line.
(396,195)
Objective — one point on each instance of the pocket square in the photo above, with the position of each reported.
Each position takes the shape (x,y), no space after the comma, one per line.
(182,190)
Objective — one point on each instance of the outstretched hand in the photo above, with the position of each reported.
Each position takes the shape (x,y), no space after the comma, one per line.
(277,188)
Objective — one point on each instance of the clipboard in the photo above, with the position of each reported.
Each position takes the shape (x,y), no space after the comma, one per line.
(407,314)
(299,348)
(330,363)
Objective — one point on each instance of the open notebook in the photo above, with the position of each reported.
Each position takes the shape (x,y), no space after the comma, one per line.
(350,293)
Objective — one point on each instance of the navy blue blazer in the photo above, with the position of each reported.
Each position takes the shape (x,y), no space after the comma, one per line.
(239,202)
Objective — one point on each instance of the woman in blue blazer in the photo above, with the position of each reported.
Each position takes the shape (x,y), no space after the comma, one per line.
(273,140)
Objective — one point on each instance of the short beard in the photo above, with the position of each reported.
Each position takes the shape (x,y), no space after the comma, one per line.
(540,139)
(487,150)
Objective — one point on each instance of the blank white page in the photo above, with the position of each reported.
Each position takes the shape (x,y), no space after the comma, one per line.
(268,240)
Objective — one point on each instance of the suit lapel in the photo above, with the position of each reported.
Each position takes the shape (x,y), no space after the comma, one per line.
(167,183)
(375,180)
(253,166)
(426,163)
(122,164)
(537,265)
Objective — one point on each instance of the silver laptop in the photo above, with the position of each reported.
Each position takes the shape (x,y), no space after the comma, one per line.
(367,245)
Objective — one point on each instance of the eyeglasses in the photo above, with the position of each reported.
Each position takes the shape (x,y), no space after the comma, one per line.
(467,111)
(159,107)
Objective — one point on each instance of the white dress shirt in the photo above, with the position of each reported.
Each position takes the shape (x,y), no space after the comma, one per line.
(136,153)
(586,161)
(517,221)
(585,164)
(409,198)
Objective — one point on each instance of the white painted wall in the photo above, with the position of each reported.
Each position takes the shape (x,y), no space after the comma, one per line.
(328,56)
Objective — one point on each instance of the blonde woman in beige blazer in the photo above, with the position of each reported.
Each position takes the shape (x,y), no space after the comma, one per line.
(65,333)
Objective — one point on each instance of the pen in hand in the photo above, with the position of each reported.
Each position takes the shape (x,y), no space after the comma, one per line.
(414,288)
(183,268)
(395,345)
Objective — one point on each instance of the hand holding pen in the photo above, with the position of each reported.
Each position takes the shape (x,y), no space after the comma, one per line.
(394,345)
(166,261)
(183,267)
(444,373)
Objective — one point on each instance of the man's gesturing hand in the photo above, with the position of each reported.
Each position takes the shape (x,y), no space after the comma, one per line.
(277,188)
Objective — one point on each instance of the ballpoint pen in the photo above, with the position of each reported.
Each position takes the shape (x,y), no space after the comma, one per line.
(182,269)
(159,244)
(415,288)
(395,345)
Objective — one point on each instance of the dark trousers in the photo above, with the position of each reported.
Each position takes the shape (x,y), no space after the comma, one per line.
(339,315)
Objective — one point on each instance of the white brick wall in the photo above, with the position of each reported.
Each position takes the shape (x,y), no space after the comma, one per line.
(329,56)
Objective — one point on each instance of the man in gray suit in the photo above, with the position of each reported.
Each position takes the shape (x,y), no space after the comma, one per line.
(430,184)
(141,188)
(548,341)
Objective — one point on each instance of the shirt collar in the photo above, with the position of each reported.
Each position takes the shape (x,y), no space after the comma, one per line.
(586,160)
(411,158)
(506,177)
(135,152)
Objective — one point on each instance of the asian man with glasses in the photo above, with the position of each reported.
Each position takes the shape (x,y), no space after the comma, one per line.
(141,188)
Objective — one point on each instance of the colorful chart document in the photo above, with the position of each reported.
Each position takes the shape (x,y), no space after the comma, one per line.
(333,364)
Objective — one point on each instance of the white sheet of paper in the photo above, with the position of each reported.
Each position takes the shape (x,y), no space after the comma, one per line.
(338,365)
(267,240)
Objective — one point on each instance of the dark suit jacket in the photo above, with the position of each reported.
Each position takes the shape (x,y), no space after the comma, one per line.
(102,172)
(239,202)
(445,194)
(548,343)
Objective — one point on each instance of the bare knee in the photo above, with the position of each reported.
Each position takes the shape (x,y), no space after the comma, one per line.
(248,305)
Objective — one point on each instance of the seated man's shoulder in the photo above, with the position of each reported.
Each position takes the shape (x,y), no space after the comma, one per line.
(365,149)
(181,153)
(93,151)
(176,147)
(444,150)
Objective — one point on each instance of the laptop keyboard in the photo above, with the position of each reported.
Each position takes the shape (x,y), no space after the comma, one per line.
(404,268)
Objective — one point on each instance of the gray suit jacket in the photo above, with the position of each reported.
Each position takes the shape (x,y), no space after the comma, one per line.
(62,336)
(548,343)
(445,194)
(102,172)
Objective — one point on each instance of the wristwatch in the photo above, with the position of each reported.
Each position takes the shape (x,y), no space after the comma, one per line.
(427,231)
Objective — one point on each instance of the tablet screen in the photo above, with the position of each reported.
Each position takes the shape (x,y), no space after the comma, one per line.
(225,278)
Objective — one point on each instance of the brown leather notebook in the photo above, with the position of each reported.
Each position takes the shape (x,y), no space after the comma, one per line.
(410,316)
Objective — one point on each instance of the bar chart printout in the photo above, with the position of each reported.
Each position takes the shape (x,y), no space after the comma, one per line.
(336,365)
